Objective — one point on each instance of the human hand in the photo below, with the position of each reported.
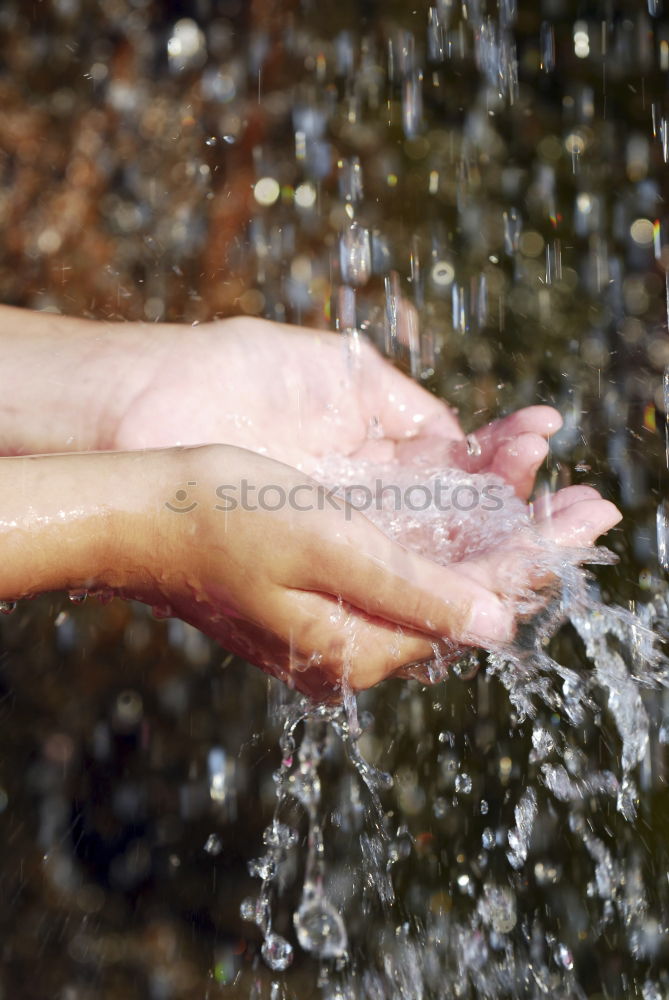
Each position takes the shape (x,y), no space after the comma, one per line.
(292,394)
(306,587)
(311,591)
(296,395)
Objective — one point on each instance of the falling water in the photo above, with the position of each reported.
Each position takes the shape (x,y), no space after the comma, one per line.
(624,660)
(487,938)
(479,189)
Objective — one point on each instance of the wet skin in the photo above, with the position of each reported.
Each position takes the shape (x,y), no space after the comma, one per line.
(307,596)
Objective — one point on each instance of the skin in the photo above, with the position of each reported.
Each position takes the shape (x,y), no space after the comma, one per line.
(308,595)
(292,394)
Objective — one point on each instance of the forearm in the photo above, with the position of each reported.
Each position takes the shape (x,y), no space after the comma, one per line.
(79,521)
(65,382)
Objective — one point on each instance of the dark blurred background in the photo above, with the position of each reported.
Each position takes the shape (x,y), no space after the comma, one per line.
(529,230)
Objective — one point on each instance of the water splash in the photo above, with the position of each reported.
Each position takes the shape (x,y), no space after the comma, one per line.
(485,946)
(599,316)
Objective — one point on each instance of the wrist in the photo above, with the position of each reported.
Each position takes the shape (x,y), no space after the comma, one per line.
(66,382)
(80,521)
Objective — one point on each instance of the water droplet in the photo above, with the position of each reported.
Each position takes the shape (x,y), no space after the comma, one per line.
(463,784)
(266,191)
(547,46)
(497,907)
(222,771)
(512,230)
(7,607)
(436,36)
(355,254)
(662,530)
(186,47)
(278,835)
(412,105)
(473,446)
(277,952)
(440,808)
(542,743)
(350,179)
(320,929)
(255,910)
(442,273)
(464,882)
(519,837)
(305,196)
(263,867)
(128,709)
(547,873)
(77,596)
(305,786)
(565,957)
(213,844)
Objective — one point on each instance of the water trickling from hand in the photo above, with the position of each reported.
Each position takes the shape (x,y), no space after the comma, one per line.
(485,947)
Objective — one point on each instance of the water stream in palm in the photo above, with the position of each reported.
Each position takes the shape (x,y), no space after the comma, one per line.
(517,844)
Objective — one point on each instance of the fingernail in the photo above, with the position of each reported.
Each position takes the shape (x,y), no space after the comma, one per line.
(490,621)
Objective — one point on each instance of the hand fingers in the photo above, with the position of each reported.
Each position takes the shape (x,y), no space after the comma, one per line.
(581,523)
(402,407)
(512,570)
(543,420)
(406,410)
(517,462)
(385,580)
(333,640)
(547,504)
(539,421)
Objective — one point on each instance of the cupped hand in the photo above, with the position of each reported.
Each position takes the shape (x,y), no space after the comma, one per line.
(297,395)
(263,559)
